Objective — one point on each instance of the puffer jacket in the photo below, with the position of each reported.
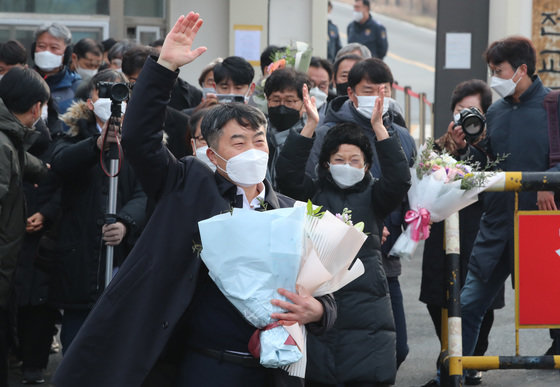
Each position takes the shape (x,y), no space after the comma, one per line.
(63,86)
(79,272)
(361,345)
(15,164)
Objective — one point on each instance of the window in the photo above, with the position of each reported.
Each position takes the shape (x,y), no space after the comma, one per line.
(144,8)
(73,7)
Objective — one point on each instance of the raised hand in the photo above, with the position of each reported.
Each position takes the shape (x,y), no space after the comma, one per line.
(312,113)
(177,47)
(377,116)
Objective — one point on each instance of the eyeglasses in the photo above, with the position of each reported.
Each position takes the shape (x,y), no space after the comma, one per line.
(288,102)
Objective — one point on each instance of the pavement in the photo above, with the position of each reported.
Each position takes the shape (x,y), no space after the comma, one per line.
(420,365)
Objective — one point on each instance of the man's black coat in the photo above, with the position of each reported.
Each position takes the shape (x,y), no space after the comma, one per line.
(131,324)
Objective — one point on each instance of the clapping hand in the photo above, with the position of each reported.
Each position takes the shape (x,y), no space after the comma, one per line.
(177,47)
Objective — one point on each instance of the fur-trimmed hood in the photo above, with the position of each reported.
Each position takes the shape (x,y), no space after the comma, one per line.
(78,111)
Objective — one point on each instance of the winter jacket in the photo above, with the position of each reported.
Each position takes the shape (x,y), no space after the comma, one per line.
(361,345)
(35,261)
(139,314)
(63,86)
(333,43)
(519,130)
(342,109)
(184,95)
(15,165)
(79,270)
(371,34)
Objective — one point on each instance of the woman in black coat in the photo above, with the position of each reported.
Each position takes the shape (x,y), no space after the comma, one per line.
(361,345)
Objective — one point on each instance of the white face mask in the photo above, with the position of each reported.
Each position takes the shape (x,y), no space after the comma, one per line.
(102,108)
(504,87)
(345,175)
(247,168)
(358,16)
(320,96)
(86,73)
(47,61)
(2,76)
(367,103)
(201,155)
(45,112)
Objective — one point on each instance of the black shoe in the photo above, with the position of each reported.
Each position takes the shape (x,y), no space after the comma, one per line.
(33,376)
(473,377)
(432,383)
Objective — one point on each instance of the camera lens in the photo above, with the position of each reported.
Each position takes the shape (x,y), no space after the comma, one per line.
(119,92)
(473,125)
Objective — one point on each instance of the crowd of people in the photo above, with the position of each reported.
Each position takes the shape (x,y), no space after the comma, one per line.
(332,135)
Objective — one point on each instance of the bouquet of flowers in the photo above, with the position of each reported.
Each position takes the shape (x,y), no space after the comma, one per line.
(250,254)
(440,187)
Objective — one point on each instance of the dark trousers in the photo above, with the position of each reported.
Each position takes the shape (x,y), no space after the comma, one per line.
(72,321)
(4,346)
(482,342)
(35,332)
(400,320)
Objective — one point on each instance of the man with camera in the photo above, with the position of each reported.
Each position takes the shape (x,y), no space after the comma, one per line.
(84,232)
(469,102)
(517,127)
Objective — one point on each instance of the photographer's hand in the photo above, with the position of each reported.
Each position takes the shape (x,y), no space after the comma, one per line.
(176,50)
(114,233)
(111,135)
(545,201)
(457,135)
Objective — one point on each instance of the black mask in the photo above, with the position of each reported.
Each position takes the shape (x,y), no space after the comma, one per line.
(342,88)
(282,117)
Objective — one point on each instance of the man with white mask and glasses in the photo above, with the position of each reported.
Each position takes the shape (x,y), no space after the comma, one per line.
(364,85)
(517,125)
(162,320)
(51,55)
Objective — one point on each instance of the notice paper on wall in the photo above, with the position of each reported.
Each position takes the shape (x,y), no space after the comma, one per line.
(458,50)
(248,43)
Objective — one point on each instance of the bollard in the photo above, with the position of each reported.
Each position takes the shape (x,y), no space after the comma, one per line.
(407,106)
(422,118)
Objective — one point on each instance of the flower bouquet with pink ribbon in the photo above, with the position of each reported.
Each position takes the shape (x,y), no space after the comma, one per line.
(440,187)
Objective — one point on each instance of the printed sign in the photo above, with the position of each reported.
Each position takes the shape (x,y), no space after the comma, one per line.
(546,38)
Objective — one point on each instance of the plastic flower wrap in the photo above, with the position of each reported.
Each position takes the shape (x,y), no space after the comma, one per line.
(250,254)
(440,187)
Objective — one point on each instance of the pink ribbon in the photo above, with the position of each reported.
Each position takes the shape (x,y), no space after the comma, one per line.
(420,223)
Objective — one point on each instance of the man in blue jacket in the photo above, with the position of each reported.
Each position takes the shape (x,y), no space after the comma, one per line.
(517,126)
(367,31)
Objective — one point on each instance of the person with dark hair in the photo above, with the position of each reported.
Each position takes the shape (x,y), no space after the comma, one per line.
(22,95)
(320,73)
(366,80)
(206,78)
(87,56)
(116,53)
(156,44)
(78,277)
(52,53)
(512,64)
(198,143)
(176,124)
(365,30)
(469,94)
(164,288)
(360,349)
(286,108)
(341,69)
(267,57)
(333,42)
(106,44)
(234,76)
(12,53)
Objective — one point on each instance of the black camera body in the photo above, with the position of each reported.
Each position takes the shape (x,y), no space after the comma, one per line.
(118,92)
(472,121)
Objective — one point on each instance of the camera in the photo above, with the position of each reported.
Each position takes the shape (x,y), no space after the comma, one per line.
(227,98)
(472,121)
(117,91)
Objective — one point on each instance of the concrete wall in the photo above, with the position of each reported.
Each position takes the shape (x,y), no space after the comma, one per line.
(282,21)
